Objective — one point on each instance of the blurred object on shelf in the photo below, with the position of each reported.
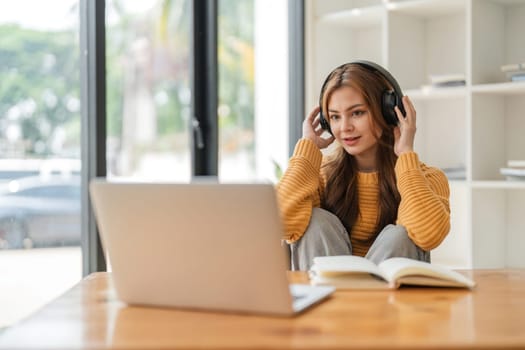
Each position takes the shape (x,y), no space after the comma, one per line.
(455,173)
(515,170)
(447,80)
(514,71)
(516,164)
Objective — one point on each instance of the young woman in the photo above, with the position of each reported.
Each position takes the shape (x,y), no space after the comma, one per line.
(371,196)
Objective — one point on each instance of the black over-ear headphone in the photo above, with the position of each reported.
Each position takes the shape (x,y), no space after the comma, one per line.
(389,100)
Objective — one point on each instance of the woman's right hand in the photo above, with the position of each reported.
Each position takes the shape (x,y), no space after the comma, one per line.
(312,130)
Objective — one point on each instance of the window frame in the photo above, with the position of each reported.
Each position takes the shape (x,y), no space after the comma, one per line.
(93,124)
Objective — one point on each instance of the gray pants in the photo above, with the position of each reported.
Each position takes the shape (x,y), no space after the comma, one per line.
(326,236)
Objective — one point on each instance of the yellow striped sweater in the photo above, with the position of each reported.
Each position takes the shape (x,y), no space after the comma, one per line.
(424,208)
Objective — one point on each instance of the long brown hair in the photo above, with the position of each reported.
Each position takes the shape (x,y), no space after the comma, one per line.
(341,195)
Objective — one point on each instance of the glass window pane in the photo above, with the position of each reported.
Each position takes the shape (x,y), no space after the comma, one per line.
(148,90)
(253,89)
(40,254)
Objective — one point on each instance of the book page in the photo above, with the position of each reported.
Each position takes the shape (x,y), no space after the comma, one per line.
(333,266)
(419,280)
(353,280)
(409,271)
(347,272)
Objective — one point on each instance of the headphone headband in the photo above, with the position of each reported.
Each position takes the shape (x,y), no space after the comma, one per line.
(389,77)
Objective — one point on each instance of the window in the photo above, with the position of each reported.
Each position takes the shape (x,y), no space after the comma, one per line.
(148,89)
(148,93)
(40,154)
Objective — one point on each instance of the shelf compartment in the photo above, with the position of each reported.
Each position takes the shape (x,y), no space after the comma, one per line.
(498,228)
(497,133)
(455,251)
(430,93)
(441,123)
(497,38)
(421,45)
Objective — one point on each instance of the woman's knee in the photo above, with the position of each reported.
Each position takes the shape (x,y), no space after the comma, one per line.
(320,217)
(324,225)
(395,236)
(393,241)
(325,235)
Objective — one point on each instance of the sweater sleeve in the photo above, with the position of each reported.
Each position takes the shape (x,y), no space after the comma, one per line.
(424,209)
(299,188)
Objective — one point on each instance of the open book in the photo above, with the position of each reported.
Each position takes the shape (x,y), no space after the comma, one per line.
(355,272)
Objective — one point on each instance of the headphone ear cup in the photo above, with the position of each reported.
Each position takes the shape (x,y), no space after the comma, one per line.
(389,102)
(324,123)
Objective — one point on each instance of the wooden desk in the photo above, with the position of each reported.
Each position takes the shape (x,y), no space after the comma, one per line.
(89,317)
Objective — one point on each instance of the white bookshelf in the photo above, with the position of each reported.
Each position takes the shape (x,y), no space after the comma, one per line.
(477,127)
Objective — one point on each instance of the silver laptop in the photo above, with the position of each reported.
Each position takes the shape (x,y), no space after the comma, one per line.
(202,245)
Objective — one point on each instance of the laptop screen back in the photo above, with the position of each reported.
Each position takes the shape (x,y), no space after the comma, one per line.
(202,245)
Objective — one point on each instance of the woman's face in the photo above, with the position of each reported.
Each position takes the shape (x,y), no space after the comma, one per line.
(351,125)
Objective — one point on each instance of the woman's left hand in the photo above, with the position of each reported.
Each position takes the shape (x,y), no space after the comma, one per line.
(405,132)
